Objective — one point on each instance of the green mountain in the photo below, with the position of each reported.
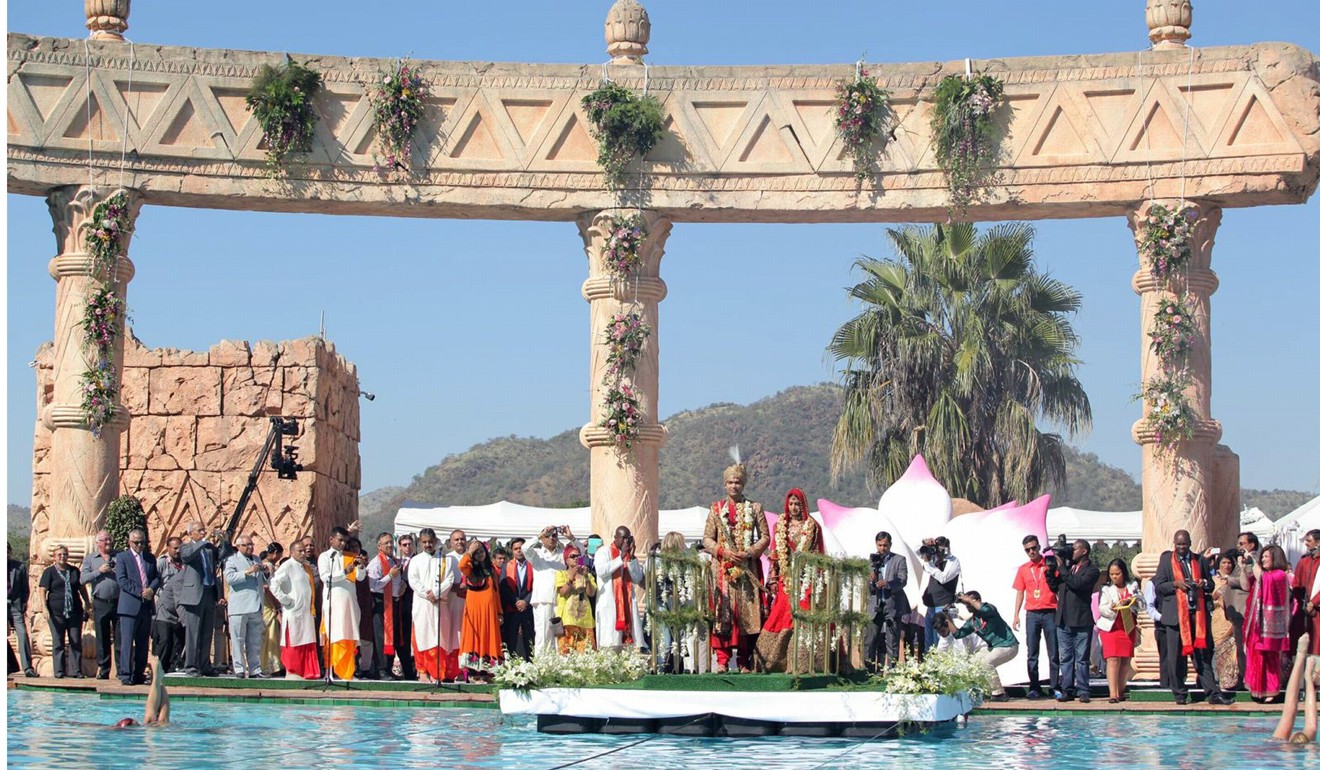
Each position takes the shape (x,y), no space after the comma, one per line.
(784,439)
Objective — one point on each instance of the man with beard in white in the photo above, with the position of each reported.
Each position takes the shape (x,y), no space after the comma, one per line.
(424,579)
(453,595)
(546,558)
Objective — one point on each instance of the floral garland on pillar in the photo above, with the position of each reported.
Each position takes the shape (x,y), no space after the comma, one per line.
(105,235)
(625,335)
(1165,237)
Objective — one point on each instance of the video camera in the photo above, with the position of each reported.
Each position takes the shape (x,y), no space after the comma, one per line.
(930,551)
(1062,550)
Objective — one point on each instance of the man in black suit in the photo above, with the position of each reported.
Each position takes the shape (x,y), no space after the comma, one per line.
(516,598)
(196,593)
(889,603)
(1183,585)
(135,572)
(1074,582)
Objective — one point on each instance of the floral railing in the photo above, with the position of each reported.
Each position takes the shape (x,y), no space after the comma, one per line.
(678,600)
(834,590)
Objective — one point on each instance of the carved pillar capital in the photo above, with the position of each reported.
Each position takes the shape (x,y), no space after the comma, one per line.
(1169,22)
(71,207)
(107,19)
(627,31)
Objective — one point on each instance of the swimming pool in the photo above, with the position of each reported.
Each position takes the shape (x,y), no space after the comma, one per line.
(68,730)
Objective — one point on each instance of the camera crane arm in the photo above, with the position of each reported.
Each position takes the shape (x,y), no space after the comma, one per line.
(283,459)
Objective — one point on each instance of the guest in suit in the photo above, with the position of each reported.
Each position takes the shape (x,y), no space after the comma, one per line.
(889,603)
(1183,587)
(1074,583)
(246,577)
(19,590)
(516,597)
(403,615)
(135,572)
(197,593)
(98,574)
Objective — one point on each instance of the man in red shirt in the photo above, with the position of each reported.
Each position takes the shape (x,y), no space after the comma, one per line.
(1306,592)
(1035,592)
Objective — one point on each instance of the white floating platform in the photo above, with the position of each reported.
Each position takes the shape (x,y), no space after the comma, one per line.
(762,713)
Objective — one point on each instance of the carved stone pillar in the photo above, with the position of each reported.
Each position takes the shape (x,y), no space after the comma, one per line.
(625,484)
(1169,22)
(1178,482)
(84,468)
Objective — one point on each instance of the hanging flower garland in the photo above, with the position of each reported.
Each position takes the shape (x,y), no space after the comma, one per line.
(862,118)
(397,106)
(625,337)
(105,237)
(1166,239)
(103,317)
(625,126)
(966,137)
(281,100)
(98,396)
(1172,334)
(623,246)
(105,234)
(1168,412)
(622,415)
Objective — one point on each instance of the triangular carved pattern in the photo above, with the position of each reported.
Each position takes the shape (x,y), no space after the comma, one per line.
(1060,133)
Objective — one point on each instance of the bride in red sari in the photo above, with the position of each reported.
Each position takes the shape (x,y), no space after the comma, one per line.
(795,531)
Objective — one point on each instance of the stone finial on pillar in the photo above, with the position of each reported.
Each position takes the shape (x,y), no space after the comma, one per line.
(627,31)
(107,19)
(625,484)
(1170,22)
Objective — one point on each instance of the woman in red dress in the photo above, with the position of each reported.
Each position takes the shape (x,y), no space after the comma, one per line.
(1119,602)
(795,531)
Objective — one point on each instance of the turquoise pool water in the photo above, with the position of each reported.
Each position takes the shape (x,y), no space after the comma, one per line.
(67,730)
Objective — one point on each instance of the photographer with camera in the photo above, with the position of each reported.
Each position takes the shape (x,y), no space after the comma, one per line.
(546,558)
(889,603)
(1183,586)
(1042,604)
(1001,644)
(942,573)
(1073,578)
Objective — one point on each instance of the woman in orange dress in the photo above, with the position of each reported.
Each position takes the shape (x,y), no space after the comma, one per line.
(481,647)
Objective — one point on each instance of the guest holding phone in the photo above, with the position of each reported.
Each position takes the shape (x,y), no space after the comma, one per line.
(575,588)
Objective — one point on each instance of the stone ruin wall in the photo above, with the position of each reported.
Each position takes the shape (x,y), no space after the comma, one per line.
(199,420)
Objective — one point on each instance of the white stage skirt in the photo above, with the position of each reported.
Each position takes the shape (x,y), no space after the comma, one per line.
(793,706)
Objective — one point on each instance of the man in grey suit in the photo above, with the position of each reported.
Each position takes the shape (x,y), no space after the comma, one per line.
(246,577)
(196,593)
(889,603)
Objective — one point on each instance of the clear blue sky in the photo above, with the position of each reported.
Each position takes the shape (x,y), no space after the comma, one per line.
(468,330)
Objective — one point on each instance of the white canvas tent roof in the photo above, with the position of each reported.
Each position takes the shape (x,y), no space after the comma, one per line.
(1125,526)
(1293,527)
(505,520)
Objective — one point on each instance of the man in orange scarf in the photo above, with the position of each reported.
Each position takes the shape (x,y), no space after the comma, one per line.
(619,574)
(1183,586)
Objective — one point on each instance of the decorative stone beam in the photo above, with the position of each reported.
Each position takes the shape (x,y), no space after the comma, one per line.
(1086,136)
(625,484)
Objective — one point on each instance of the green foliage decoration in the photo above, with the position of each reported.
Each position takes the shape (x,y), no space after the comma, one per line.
(625,125)
(966,137)
(863,120)
(281,100)
(121,516)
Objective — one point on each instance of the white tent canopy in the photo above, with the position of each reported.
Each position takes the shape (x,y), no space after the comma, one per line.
(1125,526)
(505,520)
(1293,527)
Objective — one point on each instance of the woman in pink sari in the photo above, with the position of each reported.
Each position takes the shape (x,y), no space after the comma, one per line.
(1265,627)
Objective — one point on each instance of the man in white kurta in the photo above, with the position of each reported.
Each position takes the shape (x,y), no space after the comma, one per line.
(546,558)
(617,562)
(294,587)
(424,579)
(452,598)
(340,614)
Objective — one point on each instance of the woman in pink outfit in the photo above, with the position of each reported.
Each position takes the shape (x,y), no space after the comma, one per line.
(1265,626)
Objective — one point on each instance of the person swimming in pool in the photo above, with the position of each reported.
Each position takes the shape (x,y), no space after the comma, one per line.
(1308,666)
(158,701)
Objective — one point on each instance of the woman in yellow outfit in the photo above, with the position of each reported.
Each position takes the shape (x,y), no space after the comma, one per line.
(574,588)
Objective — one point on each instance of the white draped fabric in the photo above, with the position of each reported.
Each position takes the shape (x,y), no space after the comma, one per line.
(423,576)
(292,588)
(339,606)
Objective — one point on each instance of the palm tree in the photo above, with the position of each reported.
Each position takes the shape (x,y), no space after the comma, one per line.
(962,347)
